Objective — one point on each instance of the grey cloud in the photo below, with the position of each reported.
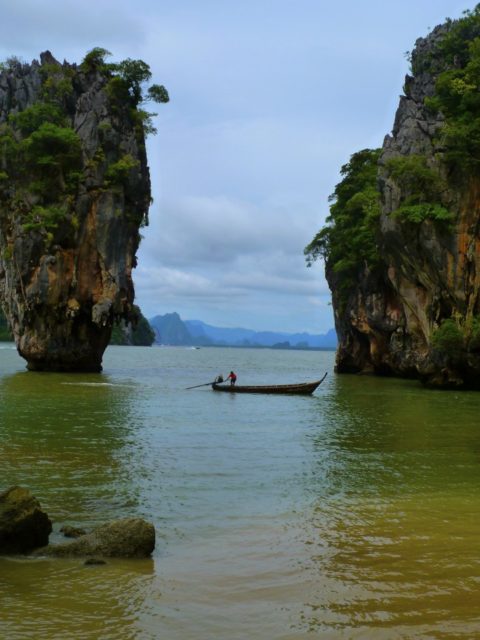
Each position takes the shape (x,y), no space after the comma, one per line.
(195,230)
(68,28)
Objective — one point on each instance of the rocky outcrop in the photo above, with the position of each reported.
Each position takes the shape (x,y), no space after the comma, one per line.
(74,190)
(127,538)
(23,525)
(25,528)
(430,269)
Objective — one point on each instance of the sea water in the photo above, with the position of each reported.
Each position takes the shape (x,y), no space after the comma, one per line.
(352,513)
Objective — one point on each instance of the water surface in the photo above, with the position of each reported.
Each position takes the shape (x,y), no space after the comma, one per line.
(349,514)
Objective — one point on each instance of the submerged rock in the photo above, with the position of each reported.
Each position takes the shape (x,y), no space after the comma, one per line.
(93,562)
(23,525)
(126,538)
(72,532)
(25,528)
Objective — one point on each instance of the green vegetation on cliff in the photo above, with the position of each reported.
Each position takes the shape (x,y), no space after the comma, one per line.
(454,337)
(75,189)
(347,241)
(139,334)
(455,63)
(412,308)
(125,87)
(457,93)
(422,187)
(41,160)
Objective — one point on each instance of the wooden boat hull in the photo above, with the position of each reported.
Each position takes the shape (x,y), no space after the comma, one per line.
(302,389)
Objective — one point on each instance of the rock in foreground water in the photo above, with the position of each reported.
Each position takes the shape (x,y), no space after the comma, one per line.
(23,525)
(126,538)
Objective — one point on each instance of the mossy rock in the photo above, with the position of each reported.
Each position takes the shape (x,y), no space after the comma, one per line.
(126,538)
(23,525)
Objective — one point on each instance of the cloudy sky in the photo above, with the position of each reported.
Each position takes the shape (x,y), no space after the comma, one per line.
(268,99)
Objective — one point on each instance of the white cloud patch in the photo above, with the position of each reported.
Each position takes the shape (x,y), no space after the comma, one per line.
(232,260)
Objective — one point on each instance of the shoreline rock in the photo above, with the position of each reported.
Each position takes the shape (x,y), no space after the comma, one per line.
(125,538)
(25,529)
(23,524)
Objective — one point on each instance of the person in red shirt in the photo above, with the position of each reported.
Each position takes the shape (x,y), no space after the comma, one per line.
(232,377)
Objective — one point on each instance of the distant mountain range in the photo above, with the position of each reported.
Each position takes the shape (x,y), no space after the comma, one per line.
(170,329)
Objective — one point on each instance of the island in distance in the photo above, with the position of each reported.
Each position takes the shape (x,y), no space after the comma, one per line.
(171,330)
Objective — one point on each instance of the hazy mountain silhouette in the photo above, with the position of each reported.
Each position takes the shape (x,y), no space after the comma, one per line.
(170,329)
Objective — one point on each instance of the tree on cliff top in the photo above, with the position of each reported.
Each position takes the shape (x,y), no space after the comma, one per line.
(127,81)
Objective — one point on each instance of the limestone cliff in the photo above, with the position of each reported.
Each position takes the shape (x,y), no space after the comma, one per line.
(411,306)
(74,190)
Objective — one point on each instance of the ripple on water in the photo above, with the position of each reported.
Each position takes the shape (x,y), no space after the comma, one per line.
(349,514)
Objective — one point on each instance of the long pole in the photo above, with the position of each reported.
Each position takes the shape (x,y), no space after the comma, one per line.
(199,385)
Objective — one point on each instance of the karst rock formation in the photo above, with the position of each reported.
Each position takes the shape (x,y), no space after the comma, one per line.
(414,311)
(74,191)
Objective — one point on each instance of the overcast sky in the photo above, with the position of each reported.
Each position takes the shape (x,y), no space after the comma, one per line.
(268,99)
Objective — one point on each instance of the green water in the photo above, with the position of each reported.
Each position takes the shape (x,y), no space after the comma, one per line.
(349,514)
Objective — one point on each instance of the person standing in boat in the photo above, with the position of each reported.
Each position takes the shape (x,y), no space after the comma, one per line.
(232,377)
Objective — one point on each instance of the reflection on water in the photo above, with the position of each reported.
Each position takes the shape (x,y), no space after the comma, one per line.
(63,438)
(69,600)
(395,533)
(349,514)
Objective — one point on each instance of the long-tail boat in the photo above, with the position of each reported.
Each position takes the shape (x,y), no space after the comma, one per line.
(303,388)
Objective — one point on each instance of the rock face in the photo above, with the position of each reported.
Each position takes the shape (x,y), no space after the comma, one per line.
(127,538)
(74,190)
(431,270)
(23,525)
